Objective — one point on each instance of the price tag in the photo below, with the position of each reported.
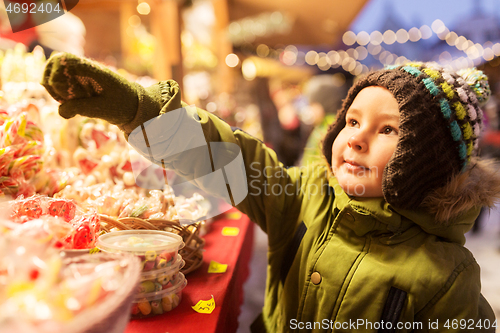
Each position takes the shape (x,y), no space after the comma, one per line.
(216,267)
(230,231)
(234,215)
(205,306)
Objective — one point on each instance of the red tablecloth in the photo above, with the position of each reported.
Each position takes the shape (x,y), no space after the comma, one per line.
(226,288)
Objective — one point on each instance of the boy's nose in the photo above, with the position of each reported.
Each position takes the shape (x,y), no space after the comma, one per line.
(357,143)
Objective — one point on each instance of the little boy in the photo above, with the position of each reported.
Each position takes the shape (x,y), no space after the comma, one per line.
(377,246)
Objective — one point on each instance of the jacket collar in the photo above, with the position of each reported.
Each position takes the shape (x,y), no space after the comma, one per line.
(375,214)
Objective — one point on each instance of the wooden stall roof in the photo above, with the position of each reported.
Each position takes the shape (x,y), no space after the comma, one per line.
(315,22)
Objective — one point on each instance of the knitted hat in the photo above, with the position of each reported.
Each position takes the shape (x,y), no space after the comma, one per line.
(440,123)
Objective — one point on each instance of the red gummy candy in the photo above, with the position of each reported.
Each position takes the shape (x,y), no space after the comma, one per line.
(99,137)
(87,165)
(62,208)
(31,207)
(127,166)
(87,228)
(34,273)
(82,237)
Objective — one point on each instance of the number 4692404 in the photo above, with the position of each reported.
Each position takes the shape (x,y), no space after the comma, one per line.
(32,8)
(469,324)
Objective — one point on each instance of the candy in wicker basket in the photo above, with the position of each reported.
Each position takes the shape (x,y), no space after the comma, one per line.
(192,252)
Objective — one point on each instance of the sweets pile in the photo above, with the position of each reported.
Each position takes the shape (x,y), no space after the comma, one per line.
(22,155)
(60,219)
(118,200)
(87,161)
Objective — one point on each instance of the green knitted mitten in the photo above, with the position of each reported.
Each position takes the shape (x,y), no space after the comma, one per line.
(86,88)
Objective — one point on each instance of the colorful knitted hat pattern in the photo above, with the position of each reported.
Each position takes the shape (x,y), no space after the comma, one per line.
(440,124)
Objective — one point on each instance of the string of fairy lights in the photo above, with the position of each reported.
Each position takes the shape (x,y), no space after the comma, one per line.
(360,45)
(364,43)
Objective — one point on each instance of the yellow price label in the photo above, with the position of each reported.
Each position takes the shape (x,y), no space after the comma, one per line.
(230,231)
(234,215)
(216,267)
(205,306)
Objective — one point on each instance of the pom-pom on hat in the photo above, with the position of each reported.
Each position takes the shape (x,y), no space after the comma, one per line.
(440,124)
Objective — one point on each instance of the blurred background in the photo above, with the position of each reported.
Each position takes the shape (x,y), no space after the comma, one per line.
(277,69)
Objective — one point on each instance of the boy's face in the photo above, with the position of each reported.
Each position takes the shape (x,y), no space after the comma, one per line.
(367,142)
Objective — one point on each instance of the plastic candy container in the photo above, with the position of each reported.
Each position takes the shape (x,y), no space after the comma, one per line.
(161,282)
(42,293)
(160,279)
(156,249)
(159,302)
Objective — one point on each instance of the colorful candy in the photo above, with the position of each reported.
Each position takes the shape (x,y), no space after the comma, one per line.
(159,301)
(156,307)
(83,227)
(160,263)
(148,265)
(146,287)
(22,155)
(150,255)
(144,307)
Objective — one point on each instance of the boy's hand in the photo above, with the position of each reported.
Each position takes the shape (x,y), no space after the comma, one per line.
(89,89)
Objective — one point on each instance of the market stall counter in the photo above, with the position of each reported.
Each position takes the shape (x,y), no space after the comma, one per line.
(229,242)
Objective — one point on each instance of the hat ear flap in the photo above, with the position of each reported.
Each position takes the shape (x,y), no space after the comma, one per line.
(330,137)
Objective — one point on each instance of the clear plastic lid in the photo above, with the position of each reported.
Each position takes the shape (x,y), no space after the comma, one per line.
(140,241)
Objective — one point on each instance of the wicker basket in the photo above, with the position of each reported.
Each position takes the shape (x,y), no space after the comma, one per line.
(192,252)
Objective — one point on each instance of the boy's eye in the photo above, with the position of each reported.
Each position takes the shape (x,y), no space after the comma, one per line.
(389,130)
(353,123)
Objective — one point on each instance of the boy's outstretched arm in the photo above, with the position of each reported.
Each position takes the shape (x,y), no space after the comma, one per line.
(167,131)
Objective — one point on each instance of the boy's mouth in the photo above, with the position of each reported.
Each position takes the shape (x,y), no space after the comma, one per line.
(354,166)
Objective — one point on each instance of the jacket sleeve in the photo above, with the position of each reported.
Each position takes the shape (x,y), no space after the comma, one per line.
(460,306)
(205,150)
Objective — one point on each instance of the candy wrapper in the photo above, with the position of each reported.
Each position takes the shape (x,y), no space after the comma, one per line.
(59,219)
(43,292)
(117,200)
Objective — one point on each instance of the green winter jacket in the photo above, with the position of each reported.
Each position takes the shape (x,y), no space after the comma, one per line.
(341,264)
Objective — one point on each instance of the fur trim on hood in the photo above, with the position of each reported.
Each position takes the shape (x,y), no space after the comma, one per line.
(479,186)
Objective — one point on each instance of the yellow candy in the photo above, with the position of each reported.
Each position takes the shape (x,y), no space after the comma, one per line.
(166,303)
(146,287)
(162,263)
(144,307)
(163,279)
(150,255)
(175,300)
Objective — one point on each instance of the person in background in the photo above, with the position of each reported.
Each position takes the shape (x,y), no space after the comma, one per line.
(293,131)
(324,94)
